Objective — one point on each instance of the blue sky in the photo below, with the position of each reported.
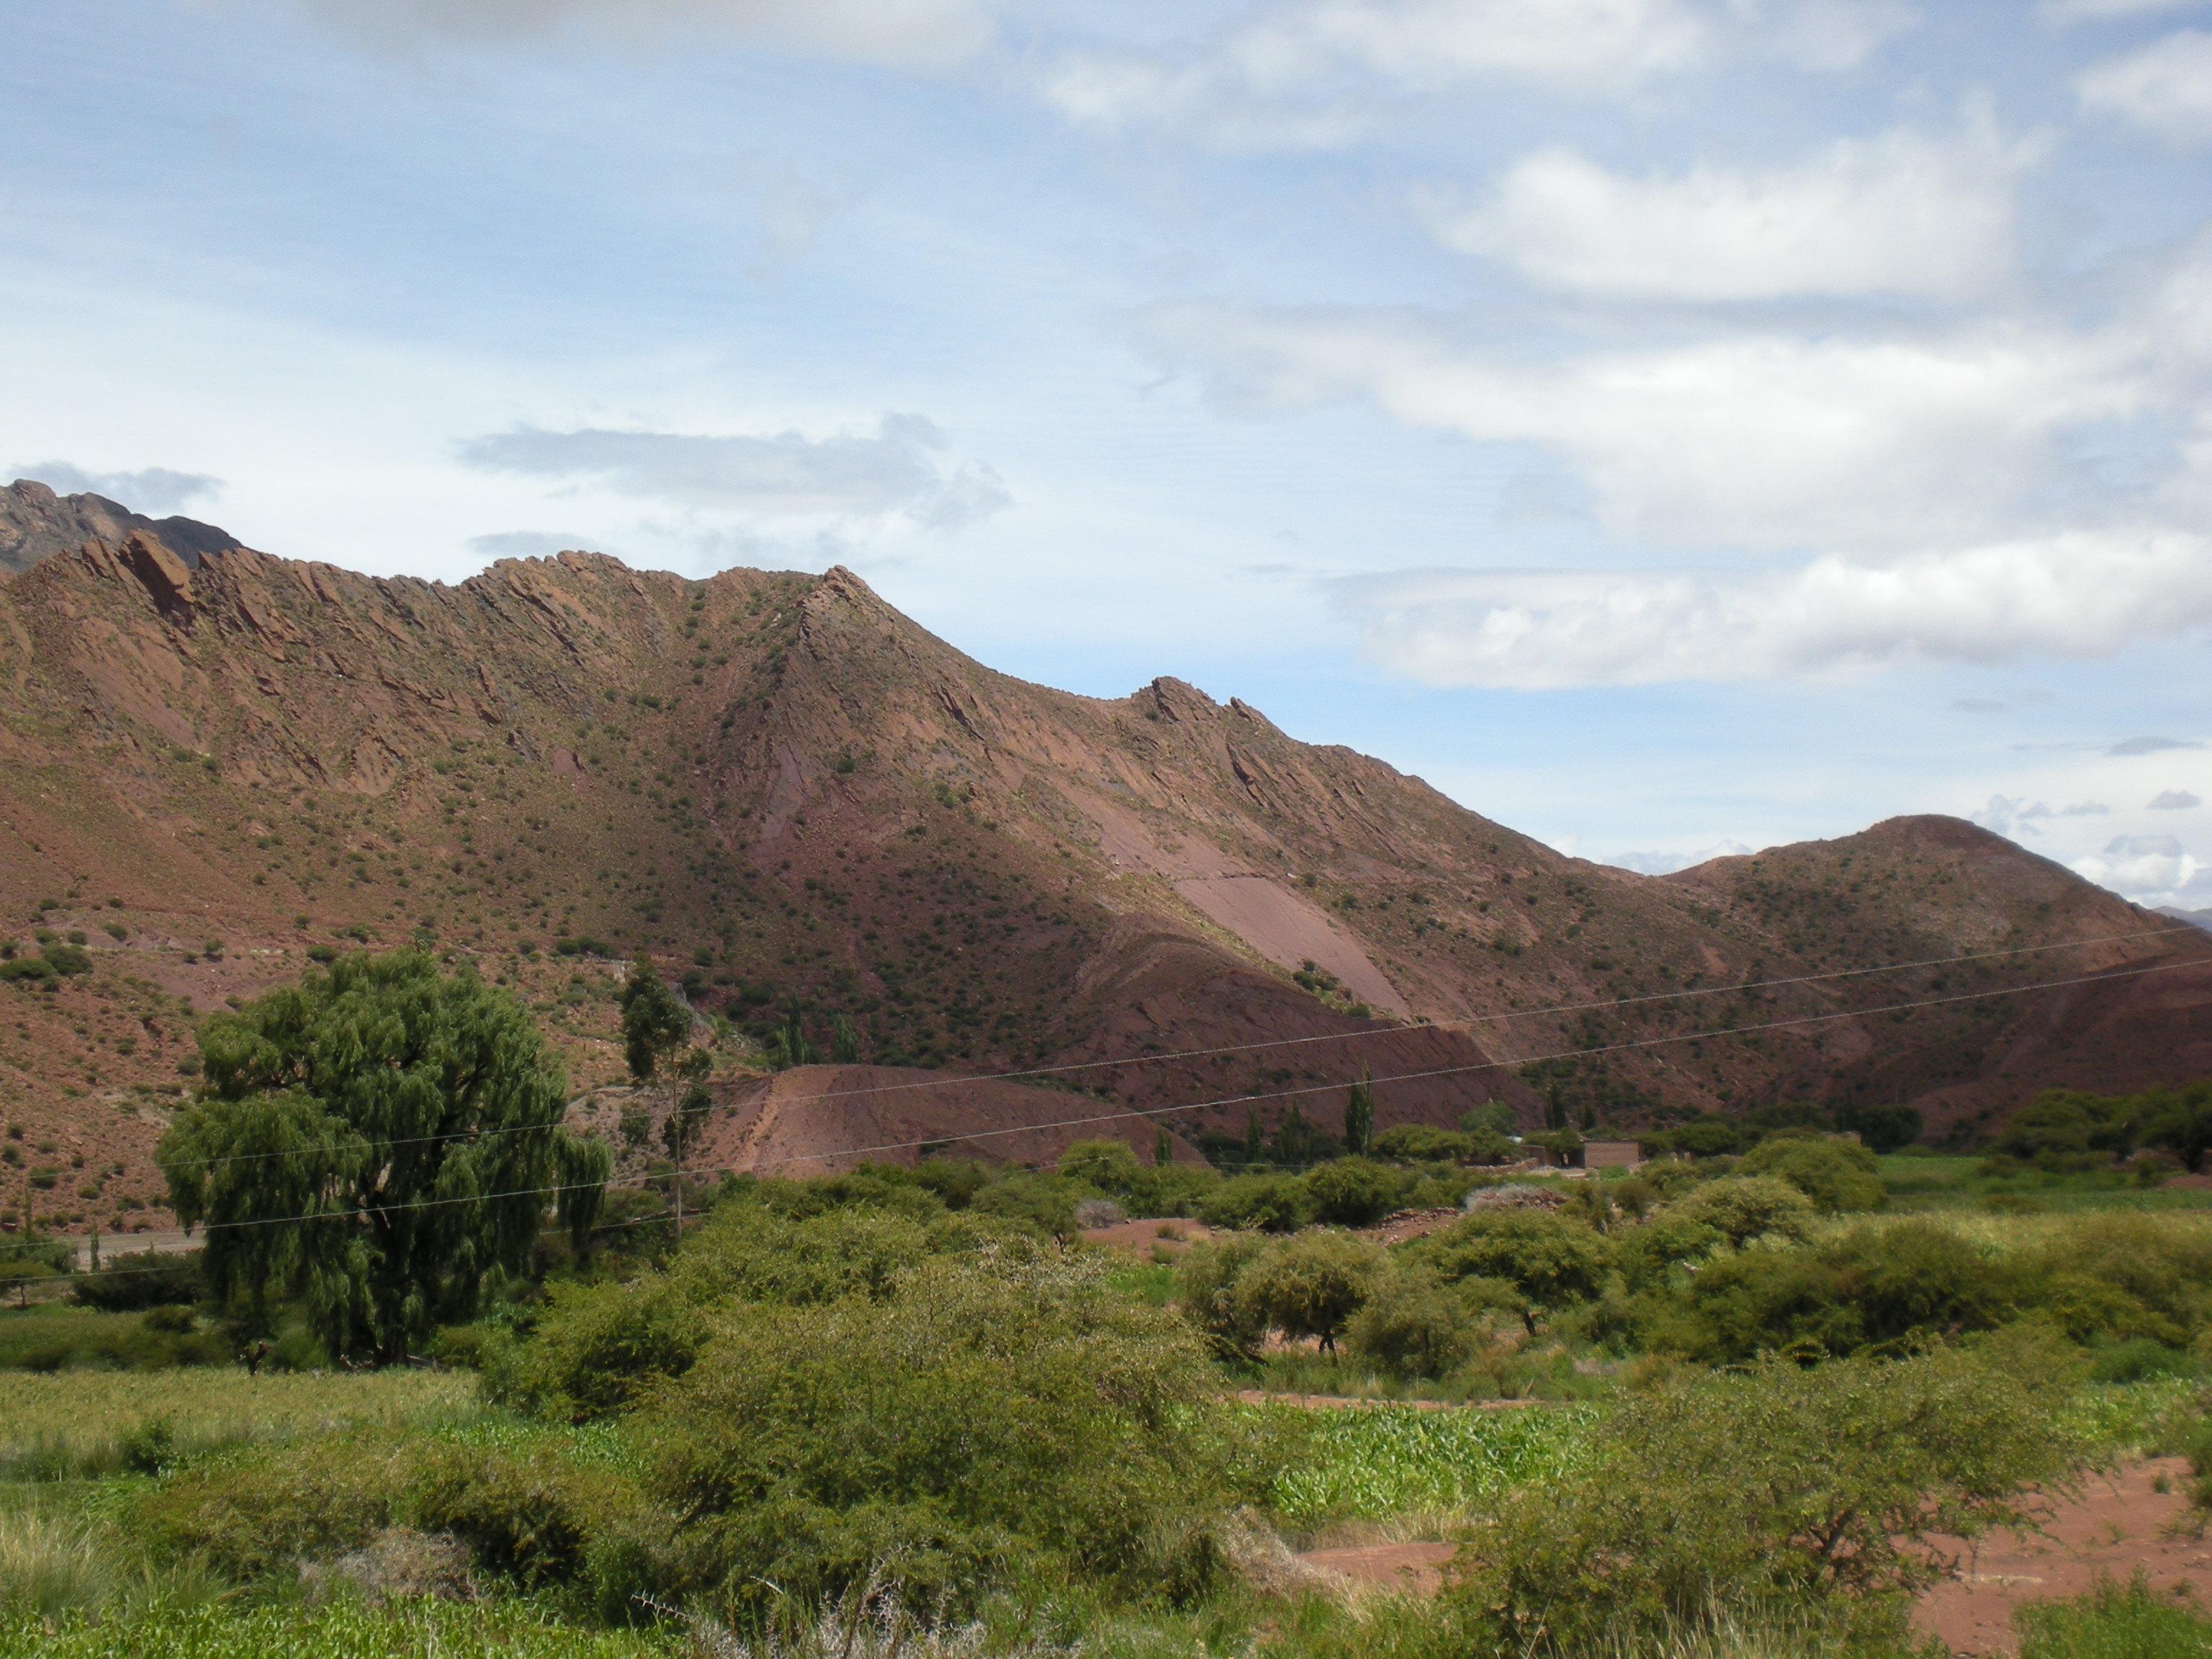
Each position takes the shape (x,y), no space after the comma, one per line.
(1668,426)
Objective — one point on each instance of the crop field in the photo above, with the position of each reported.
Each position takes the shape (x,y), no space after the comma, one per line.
(1384,1463)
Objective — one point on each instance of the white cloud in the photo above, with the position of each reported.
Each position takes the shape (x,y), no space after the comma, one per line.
(784,475)
(2149,869)
(2079,595)
(2164,88)
(2176,800)
(913,32)
(2098,11)
(1903,212)
(1666,863)
(150,489)
(2127,747)
(1309,73)
(2008,815)
(1752,440)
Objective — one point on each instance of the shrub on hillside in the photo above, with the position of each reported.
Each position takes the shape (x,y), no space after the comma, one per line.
(1835,1175)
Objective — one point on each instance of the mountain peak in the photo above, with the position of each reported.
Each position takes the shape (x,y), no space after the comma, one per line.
(37,523)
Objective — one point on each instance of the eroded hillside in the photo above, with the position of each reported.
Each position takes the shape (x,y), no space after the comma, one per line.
(785,790)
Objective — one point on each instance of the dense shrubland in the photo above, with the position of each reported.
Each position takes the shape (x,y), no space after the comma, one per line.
(907,1406)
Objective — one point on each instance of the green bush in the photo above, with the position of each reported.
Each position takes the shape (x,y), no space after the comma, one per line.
(1807,1486)
(1108,1166)
(1311,1284)
(1413,1327)
(1354,1192)
(1419,1143)
(1835,1174)
(256,1513)
(1270,1203)
(1045,1203)
(1552,1261)
(995,1416)
(55,1339)
(595,1350)
(140,1279)
(1206,1290)
(1742,1207)
(1888,1287)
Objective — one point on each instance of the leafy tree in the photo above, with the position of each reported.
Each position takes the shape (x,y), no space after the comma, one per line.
(381,1140)
(1552,1261)
(1108,1166)
(1883,1128)
(2180,1121)
(1359,1118)
(1491,1118)
(1834,1173)
(1744,1207)
(1413,1326)
(844,1041)
(1823,1489)
(1311,1284)
(654,1021)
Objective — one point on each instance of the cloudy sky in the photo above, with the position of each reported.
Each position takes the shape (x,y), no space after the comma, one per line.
(1668,426)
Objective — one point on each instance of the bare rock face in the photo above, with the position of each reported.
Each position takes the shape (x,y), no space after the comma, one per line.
(36,524)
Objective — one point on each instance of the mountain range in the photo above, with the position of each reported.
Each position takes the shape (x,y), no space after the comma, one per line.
(216,762)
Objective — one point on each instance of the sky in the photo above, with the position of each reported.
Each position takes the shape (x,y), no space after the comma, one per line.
(1669,427)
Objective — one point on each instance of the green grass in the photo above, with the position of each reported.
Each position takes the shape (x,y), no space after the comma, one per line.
(341,1631)
(1920,1182)
(85,1423)
(2115,1622)
(52,1337)
(1380,1462)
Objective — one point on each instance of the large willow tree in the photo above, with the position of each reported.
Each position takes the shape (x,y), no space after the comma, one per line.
(380,1141)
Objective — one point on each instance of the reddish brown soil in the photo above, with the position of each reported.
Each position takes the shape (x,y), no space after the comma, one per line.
(1417,1569)
(1144,1238)
(776,782)
(2119,1526)
(819,1120)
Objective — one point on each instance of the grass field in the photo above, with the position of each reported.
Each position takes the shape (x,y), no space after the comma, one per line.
(85,1423)
(1924,1182)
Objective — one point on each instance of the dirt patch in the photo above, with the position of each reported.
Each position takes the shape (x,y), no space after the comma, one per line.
(2116,1528)
(1355,1402)
(1417,1569)
(1145,1236)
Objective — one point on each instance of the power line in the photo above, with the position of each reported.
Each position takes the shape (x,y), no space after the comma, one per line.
(1949,999)
(1466,1022)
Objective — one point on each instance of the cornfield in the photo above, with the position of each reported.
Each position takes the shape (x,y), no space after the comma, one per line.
(1376,1462)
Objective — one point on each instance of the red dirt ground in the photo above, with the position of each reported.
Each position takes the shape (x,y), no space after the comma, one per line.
(2116,1528)
(2119,1525)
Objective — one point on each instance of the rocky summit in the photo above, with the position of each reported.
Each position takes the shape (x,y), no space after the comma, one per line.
(216,764)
